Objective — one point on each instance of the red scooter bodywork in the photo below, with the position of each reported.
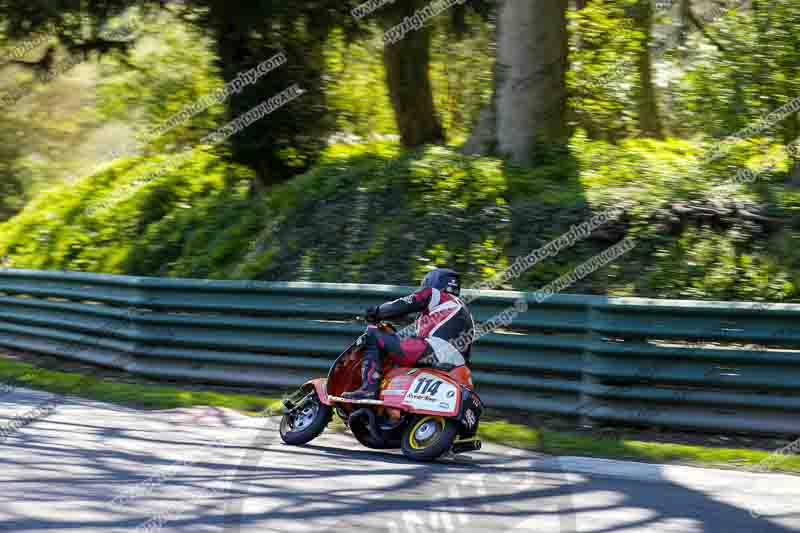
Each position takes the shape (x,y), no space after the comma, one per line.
(425,391)
(426,412)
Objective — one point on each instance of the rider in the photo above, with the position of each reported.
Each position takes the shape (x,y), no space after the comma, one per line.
(443,318)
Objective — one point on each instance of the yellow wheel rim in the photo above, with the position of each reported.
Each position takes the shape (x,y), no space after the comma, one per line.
(428,424)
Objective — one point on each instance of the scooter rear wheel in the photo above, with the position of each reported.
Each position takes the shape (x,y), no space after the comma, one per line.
(427,437)
(306,422)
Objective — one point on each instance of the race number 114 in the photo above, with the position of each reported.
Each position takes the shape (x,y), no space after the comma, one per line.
(427,386)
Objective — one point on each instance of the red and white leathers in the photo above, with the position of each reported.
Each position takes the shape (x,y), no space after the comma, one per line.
(443,319)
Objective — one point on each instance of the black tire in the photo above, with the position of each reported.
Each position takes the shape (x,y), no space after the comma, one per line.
(445,432)
(390,441)
(313,423)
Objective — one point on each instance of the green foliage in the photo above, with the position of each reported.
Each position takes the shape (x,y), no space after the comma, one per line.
(12,186)
(356,87)
(602,78)
(645,173)
(172,67)
(89,226)
(41,142)
(725,90)
(703,264)
(461,76)
(382,213)
(290,140)
(244,34)
(371,214)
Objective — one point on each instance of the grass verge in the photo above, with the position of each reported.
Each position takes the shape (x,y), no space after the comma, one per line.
(147,396)
(564,443)
(129,394)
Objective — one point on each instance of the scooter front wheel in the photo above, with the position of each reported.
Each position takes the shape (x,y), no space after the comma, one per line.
(305,422)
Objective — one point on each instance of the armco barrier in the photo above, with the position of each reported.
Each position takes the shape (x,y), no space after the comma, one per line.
(705,365)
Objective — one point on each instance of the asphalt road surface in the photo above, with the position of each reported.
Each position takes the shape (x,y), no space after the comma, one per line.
(83,466)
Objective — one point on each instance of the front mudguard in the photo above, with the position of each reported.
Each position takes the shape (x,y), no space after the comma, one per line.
(320,385)
(317,386)
(469,414)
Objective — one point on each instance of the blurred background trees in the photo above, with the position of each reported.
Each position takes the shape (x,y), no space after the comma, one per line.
(707,66)
(523,115)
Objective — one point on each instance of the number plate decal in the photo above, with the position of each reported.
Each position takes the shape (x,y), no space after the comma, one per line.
(431,393)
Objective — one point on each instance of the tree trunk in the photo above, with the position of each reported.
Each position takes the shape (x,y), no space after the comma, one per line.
(649,118)
(791,136)
(530,100)
(794,175)
(407,64)
(685,21)
(299,127)
(483,137)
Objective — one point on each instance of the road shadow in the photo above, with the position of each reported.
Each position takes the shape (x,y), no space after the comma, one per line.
(83,456)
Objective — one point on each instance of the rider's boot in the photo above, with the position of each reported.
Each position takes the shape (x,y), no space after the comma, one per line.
(370,369)
(370,382)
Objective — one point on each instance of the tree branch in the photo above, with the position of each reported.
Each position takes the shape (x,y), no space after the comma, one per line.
(101,46)
(699,25)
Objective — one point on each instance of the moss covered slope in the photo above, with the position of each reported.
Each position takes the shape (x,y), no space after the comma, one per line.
(371,214)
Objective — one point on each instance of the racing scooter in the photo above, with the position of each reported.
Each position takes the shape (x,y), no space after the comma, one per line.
(426,412)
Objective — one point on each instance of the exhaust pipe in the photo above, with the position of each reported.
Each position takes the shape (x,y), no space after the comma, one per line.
(468,445)
(372,426)
(291,402)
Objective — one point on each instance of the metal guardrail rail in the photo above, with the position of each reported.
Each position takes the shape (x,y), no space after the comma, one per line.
(674,363)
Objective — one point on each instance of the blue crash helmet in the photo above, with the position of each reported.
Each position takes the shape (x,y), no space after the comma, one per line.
(443,279)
